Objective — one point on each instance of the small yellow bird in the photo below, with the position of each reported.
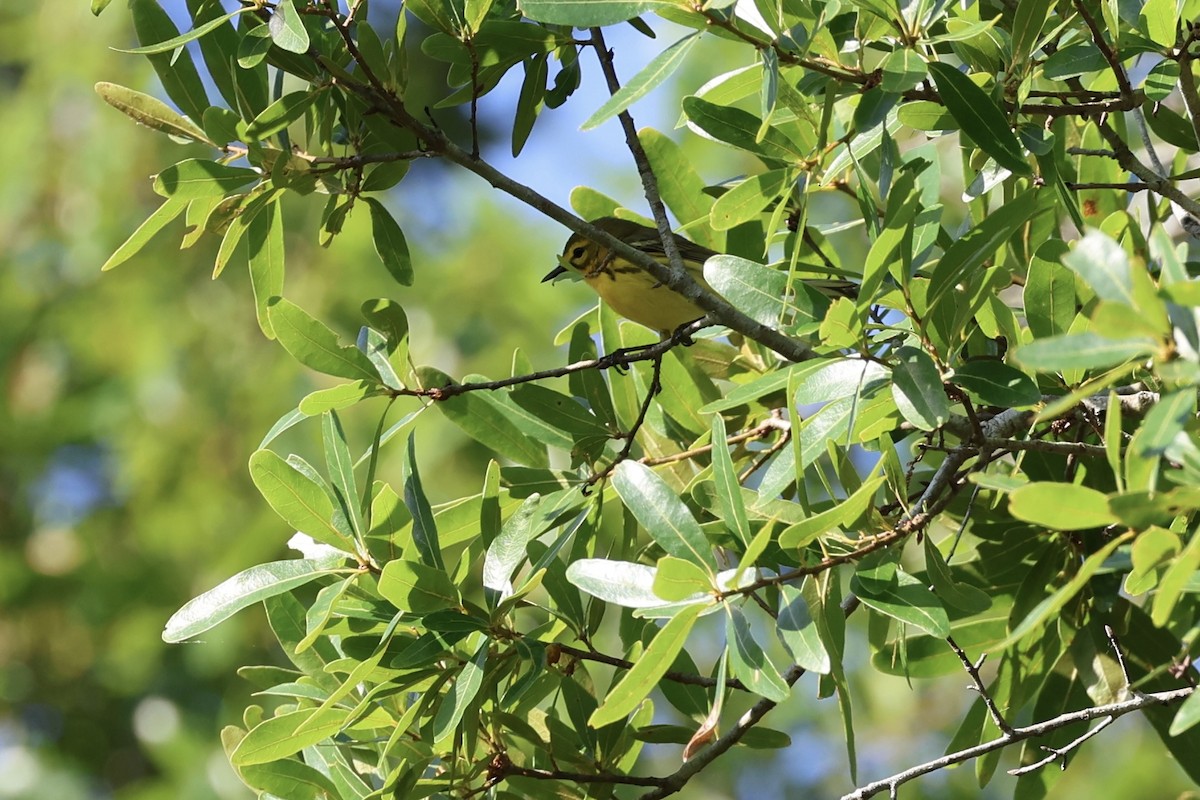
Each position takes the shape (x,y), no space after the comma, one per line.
(636,294)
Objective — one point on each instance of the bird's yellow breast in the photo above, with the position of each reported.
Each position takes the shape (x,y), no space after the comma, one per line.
(635,294)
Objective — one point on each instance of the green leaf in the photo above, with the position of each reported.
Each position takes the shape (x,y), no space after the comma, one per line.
(264,240)
(1159,19)
(746,201)
(902,70)
(740,129)
(979,117)
(905,599)
(416,587)
(340,467)
(302,504)
(622,583)
(590,13)
(761,292)
(1104,266)
(316,346)
(287,28)
(676,579)
(390,244)
(373,344)
(748,662)
(995,383)
(681,187)
(289,778)
(1027,27)
(178,41)
(151,112)
(1082,351)
(633,688)
(725,480)
(664,516)
(980,244)
(1166,421)
(1187,716)
(964,597)
(925,115)
(843,512)
(244,589)
(917,389)
(283,112)
(466,687)
(336,398)
(510,546)
(798,631)
(196,177)
(425,529)
(1061,506)
(661,67)
(158,219)
(1052,605)
(1179,574)
(284,735)
(1049,291)
(485,420)
(176,71)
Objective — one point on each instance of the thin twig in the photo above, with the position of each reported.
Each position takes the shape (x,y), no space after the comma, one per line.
(618,358)
(978,685)
(1034,731)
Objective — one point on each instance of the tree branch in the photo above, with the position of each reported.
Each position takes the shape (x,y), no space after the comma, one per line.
(1111,711)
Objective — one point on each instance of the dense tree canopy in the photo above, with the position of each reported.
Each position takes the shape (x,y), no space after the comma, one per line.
(799,500)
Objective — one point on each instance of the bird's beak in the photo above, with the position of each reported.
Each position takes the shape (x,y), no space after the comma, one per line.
(554,273)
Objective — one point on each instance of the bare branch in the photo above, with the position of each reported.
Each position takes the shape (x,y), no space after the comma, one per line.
(1111,711)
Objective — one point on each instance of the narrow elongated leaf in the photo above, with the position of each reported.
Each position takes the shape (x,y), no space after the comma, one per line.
(416,587)
(509,546)
(746,201)
(995,383)
(798,631)
(647,670)
(283,112)
(589,13)
(390,244)
(264,240)
(244,589)
(150,111)
(917,389)
(1104,266)
(466,687)
(487,421)
(748,662)
(158,219)
(425,529)
(725,479)
(658,70)
(979,244)
(316,346)
(843,513)
(664,516)
(905,599)
(740,129)
(198,177)
(1061,506)
(287,28)
(1082,351)
(287,734)
(681,187)
(979,116)
(289,778)
(302,504)
(624,583)
(178,41)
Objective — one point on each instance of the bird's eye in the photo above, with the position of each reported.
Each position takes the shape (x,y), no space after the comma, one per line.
(577,253)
